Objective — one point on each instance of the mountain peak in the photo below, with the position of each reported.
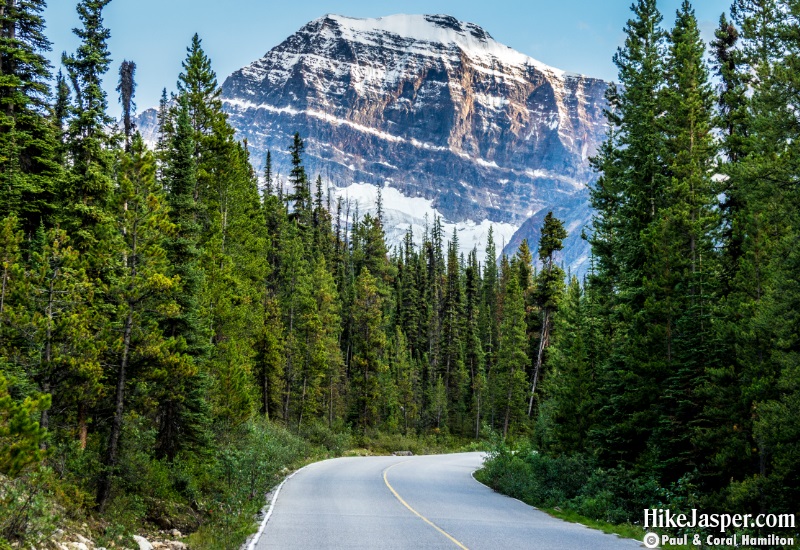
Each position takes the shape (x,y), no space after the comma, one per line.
(430,28)
(433,31)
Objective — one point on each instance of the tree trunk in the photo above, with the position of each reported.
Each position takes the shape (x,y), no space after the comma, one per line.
(478,416)
(104,488)
(543,342)
(83,426)
(48,354)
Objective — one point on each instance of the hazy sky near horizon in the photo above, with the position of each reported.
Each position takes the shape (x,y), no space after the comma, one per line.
(575,35)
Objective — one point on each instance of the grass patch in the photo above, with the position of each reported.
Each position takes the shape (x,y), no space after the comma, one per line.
(625,530)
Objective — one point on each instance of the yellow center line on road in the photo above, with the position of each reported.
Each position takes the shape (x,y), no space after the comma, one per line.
(420,516)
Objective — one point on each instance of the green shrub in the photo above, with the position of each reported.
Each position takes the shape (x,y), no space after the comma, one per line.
(28,514)
(613,496)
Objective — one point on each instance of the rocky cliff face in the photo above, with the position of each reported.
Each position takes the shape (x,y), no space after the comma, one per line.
(435,109)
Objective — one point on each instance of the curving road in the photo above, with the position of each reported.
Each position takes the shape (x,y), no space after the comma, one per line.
(413,502)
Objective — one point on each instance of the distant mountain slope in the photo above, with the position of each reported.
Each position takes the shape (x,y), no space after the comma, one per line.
(434,108)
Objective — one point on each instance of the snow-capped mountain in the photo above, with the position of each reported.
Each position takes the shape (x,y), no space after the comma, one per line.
(434,110)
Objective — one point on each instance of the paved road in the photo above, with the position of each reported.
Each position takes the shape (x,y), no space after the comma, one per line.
(413,503)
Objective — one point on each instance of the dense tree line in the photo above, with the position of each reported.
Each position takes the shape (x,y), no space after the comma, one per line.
(157,301)
(677,359)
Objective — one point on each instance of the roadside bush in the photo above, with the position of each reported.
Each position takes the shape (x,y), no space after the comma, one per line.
(336,439)
(534,478)
(230,488)
(27,511)
(572,482)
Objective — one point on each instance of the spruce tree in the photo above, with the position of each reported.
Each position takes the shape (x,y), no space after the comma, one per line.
(298,180)
(88,191)
(549,287)
(28,143)
(566,412)
(182,419)
(269,184)
(680,243)
(628,198)
(369,349)
(732,120)
(126,89)
(143,287)
(473,354)
(452,368)
(764,294)
(198,84)
(270,348)
(510,377)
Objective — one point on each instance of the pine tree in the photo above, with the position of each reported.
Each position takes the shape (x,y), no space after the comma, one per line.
(732,121)
(126,89)
(763,293)
(28,146)
(89,186)
(453,370)
(369,251)
(369,348)
(301,194)
(270,349)
(510,378)
(47,341)
(235,267)
(269,184)
(474,355)
(143,287)
(198,84)
(405,377)
(628,198)
(20,435)
(182,419)
(550,286)
(165,130)
(680,242)
(323,370)
(61,111)
(490,319)
(297,304)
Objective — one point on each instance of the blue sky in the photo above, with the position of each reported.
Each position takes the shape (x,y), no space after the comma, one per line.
(574,35)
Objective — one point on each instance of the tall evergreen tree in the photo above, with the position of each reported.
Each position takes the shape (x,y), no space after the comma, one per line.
(452,368)
(510,378)
(198,84)
(301,186)
(269,184)
(89,187)
(126,89)
(549,287)
(681,244)
(142,288)
(182,418)
(28,146)
(369,349)
(474,355)
(566,412)
(628,198)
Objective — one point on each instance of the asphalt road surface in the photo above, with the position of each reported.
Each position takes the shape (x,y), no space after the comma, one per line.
(413,503)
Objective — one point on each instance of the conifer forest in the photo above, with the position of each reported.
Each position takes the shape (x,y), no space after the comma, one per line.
(178,331)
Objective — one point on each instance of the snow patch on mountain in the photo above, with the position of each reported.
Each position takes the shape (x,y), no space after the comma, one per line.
(401,212)
(235,104)
(438,30)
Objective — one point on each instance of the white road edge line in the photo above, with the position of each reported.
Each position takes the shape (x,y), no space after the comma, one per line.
(263,525)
